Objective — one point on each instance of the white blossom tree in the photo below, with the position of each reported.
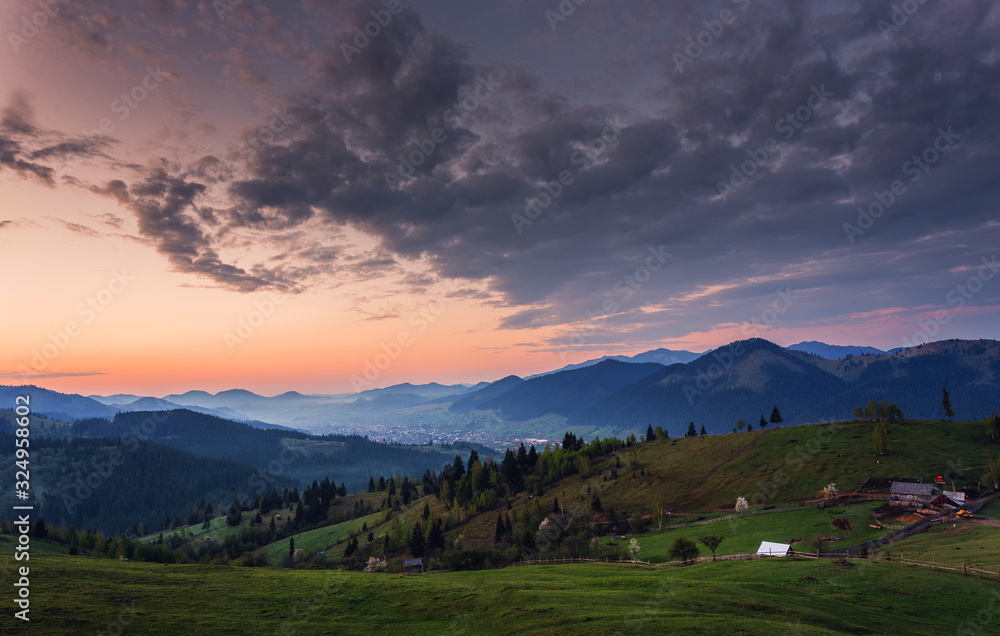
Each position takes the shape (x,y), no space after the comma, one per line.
(830,492)
(741,505)
(633,549)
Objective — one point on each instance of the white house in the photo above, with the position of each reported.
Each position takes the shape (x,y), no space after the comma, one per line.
(768,548)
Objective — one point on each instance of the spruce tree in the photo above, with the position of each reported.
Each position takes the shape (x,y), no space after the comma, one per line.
(498,534)
(946,405)
(776,416)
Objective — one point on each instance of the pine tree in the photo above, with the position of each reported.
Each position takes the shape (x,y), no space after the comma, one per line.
(371,484)
(650,435)
(763,422)
(691,432)
(532,457)
(291,546)
(703,431)
(498,534)
(417,542)
(776,416)
(435,537)
(946,405)
(993,426)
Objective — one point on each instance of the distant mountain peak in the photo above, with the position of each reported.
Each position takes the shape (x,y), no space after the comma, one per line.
(833,352)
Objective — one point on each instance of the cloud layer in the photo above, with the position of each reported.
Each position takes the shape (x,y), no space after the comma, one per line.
(740,143)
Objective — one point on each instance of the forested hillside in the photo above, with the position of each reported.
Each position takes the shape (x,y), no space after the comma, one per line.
(746,379)
(114,485)
(348,459)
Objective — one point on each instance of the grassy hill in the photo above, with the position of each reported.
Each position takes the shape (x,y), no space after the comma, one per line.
(760,597)
(698,479)
(692,477)
(744,535)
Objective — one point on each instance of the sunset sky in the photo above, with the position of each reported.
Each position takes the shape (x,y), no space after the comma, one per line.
(254,194)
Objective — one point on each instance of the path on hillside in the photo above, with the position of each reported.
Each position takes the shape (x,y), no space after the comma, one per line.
(712,472)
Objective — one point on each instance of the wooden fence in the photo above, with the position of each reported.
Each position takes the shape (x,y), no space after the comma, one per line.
(965,569)
(704,559)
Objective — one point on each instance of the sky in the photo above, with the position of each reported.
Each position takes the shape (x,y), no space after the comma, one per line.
(332,196)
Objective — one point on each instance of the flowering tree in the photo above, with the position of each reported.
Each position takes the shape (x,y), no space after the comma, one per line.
(375,564)
(830,492)
(741,505)
(633,549)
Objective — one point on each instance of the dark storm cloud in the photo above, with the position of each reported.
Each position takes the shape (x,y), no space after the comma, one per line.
(36,152)
(166,209)
(824,109)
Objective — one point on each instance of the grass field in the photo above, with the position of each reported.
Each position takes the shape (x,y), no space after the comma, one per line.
(953,545)
(7,547)
(323,538)
(991,510)
(744,535)
(72,595)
